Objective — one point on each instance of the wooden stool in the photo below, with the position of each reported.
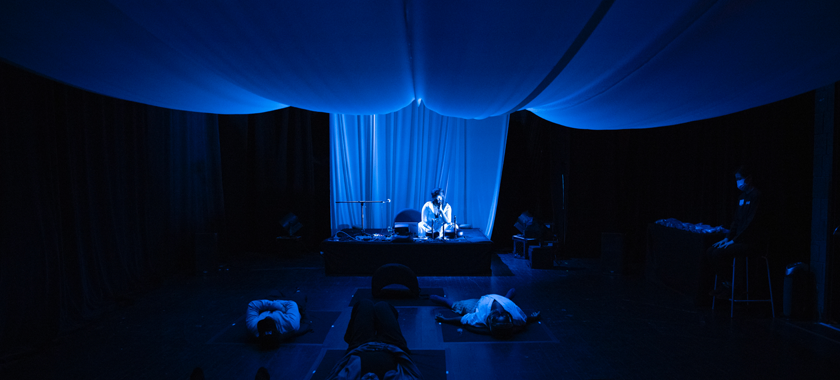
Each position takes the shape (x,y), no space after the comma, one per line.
(521,244)
(732,299)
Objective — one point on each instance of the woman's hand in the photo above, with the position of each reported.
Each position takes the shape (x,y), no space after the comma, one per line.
(533,317)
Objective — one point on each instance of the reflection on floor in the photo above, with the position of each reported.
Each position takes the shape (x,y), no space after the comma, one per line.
(597,326)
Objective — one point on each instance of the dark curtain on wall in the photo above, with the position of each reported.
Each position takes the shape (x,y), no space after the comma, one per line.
(534,173)
(275,163)
(100,198)
(619,181)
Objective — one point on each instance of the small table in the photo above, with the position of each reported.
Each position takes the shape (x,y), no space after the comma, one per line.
(521,244)
(675,259)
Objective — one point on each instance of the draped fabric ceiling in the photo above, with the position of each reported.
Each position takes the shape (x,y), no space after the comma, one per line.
(609,64)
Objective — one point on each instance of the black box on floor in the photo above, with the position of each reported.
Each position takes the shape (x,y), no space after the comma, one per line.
(541,257)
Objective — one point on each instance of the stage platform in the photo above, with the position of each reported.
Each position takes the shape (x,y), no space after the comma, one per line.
(358,253)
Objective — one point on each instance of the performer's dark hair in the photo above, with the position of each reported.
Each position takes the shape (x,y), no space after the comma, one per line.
(746,172)
(500,324)
(436,191)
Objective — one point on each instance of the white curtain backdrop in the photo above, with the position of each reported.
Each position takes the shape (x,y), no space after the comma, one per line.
(403,155)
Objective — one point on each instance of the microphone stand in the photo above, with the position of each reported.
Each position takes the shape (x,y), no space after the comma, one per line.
(363,203)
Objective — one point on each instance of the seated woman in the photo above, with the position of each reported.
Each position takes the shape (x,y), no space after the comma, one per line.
(376,348)
(492,314)
(436,213)
(272,321)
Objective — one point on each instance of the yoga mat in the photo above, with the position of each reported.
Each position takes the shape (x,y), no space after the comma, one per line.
(320,321)
(498,267)
(534,332)
(364,293)
(431,363)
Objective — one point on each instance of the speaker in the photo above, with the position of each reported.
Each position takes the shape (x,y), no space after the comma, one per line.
(289,224)
(612,252)
(525,219)
(528,226)
(402,229)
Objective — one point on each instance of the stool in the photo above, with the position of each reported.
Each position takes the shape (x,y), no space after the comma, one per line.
(521,244)
(732,299)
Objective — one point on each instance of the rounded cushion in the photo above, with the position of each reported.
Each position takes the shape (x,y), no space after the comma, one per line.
(394,274)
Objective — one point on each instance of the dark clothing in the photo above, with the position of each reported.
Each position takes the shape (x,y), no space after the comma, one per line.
(378,362)
(744,228)
(375,344)
(374,323)
(745,232)
(720,259)
(350,366)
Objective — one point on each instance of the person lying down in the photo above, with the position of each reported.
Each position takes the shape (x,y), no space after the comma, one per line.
(492,314)
(273,321)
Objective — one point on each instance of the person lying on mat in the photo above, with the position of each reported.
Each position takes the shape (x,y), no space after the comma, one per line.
(492,314)
(436,214)
(272,321)
(376,348)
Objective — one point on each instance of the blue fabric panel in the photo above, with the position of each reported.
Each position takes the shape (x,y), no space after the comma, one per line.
(608,64)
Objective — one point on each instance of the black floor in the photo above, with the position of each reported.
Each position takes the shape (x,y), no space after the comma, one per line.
(595,325)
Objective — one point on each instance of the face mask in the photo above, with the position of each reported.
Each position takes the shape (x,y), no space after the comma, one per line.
(741,184)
